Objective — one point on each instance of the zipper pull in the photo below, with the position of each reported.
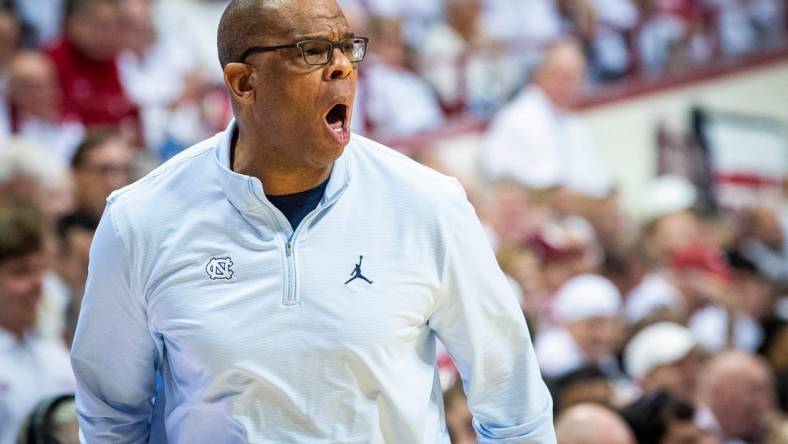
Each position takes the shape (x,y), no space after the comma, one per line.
(289,248)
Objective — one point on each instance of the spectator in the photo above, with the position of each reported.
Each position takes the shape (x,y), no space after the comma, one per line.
(36,106)
(744,26)
(587,384)
(765,243)
(673,35)
(526,25)
(592,424)
(669,226)
(193,24)
(665,356)
(9,42)
(75,233)
(738,398)
(87,70)
(512,214)
(669,221)
(387,84)
(29,174)
(416,15)
(101,165)
(610,54)
(588,308)
(157,73)
(717,317)
(537,140)
(469,70)
(31,367)
(565,248)
(659,418)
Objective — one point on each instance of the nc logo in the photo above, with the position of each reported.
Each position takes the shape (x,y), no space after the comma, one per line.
(219,268)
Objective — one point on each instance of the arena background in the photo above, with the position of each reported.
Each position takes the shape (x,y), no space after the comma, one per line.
(649,249)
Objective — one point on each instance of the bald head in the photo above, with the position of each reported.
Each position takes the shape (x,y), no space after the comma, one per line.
(561,73)
(32,85)
(592,424)
(739,390)
(241,22)
(247,23)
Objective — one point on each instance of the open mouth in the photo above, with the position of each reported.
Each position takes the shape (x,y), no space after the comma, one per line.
(337,121)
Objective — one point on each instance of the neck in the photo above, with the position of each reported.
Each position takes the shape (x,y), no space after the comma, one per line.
(278,175)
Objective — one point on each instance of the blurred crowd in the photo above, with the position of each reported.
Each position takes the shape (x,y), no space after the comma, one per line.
(671,328)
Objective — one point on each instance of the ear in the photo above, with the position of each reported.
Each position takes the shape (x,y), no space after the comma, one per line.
(240,79)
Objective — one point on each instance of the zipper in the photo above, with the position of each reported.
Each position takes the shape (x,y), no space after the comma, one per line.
(291,295)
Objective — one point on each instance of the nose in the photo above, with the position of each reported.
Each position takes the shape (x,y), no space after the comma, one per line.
(340,67)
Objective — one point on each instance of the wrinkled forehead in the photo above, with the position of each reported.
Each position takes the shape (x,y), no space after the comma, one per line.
(296,19)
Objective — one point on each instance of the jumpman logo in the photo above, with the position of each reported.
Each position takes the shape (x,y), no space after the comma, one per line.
(356,273)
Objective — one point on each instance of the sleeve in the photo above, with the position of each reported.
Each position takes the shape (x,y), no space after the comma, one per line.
(114,355)
(482,326)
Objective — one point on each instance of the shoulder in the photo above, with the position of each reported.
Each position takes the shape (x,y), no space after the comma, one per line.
(169,178)
(162,197)
(377,165)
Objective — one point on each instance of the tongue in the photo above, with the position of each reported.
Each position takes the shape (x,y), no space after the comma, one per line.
(335,125)
(334,118)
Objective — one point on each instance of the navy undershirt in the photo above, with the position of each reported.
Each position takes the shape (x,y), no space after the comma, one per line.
(296,206)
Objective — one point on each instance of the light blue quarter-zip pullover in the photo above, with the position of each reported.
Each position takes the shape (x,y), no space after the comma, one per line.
(322,335)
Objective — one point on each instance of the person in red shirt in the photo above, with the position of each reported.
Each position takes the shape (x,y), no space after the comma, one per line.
(87,70)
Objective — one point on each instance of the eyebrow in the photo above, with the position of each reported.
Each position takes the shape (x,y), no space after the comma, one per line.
(323,36)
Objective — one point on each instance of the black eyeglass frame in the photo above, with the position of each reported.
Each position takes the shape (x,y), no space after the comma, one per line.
(259,49)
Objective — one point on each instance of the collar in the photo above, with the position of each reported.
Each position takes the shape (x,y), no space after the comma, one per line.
(246,192)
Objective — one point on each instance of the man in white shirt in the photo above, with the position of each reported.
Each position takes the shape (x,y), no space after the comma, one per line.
(35,97)
(31,367)
(538,141)
(288,280)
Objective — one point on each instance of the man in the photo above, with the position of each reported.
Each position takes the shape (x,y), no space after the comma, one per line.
(737,397)
(588,310)
(101,164)
(75,233)
(583,385)
(665,356)
(31,367)
(538,141)
(86,67)
(592,424)
(225,270)
(35,99)
(659,418)
(766,243)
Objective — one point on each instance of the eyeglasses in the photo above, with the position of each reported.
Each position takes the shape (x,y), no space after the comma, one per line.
(318,51)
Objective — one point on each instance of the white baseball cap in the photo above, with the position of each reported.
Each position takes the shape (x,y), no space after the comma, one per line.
(586,296)
(659,344)
(666,195)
